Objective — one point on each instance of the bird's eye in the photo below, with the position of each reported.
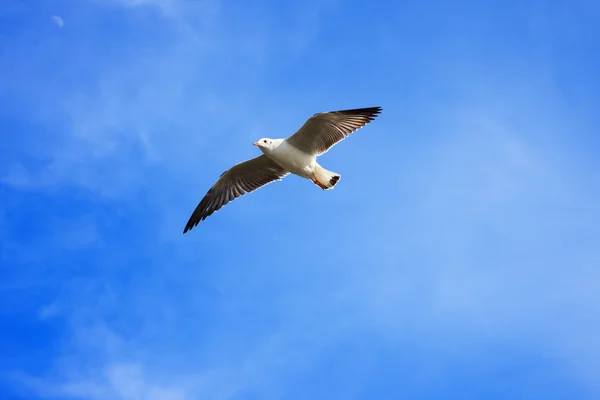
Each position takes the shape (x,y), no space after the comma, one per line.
(265,141)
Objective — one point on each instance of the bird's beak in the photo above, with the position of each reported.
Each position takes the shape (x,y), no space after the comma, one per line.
(255,143)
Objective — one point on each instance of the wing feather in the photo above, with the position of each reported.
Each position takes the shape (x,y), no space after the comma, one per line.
(242,178)
(323,130)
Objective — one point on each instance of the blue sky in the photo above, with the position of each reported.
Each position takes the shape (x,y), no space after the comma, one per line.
(458,257)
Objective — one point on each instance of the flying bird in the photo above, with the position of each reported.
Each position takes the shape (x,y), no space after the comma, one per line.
(296,154)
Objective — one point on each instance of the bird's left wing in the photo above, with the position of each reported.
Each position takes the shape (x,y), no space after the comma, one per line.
(240,179)
(323,130)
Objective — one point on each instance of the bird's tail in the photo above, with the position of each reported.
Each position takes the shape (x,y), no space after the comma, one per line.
(325,179)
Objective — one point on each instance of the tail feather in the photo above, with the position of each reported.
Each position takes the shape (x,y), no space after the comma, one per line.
(327,179)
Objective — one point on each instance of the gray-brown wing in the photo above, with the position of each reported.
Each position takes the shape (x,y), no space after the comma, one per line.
(321,131)
(240,179)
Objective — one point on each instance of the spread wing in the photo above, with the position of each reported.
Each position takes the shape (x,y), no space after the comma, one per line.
(321,131)
(240,179)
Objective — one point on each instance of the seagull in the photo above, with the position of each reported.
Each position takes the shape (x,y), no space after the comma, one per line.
(296,154)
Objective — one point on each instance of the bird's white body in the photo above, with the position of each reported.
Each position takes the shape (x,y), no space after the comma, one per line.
(292,159)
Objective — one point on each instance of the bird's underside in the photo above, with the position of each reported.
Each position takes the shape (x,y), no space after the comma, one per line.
(318,134)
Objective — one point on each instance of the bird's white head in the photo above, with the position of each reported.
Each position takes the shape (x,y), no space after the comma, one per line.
(266,144)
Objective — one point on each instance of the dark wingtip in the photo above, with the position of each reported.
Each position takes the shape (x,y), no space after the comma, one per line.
(376,109)
(369,112)
(191,224)
(373,110)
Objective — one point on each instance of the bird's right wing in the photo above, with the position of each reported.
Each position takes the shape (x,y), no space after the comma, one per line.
(240,179)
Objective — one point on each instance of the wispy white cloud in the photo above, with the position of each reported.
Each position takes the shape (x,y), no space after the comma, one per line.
(139,110)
